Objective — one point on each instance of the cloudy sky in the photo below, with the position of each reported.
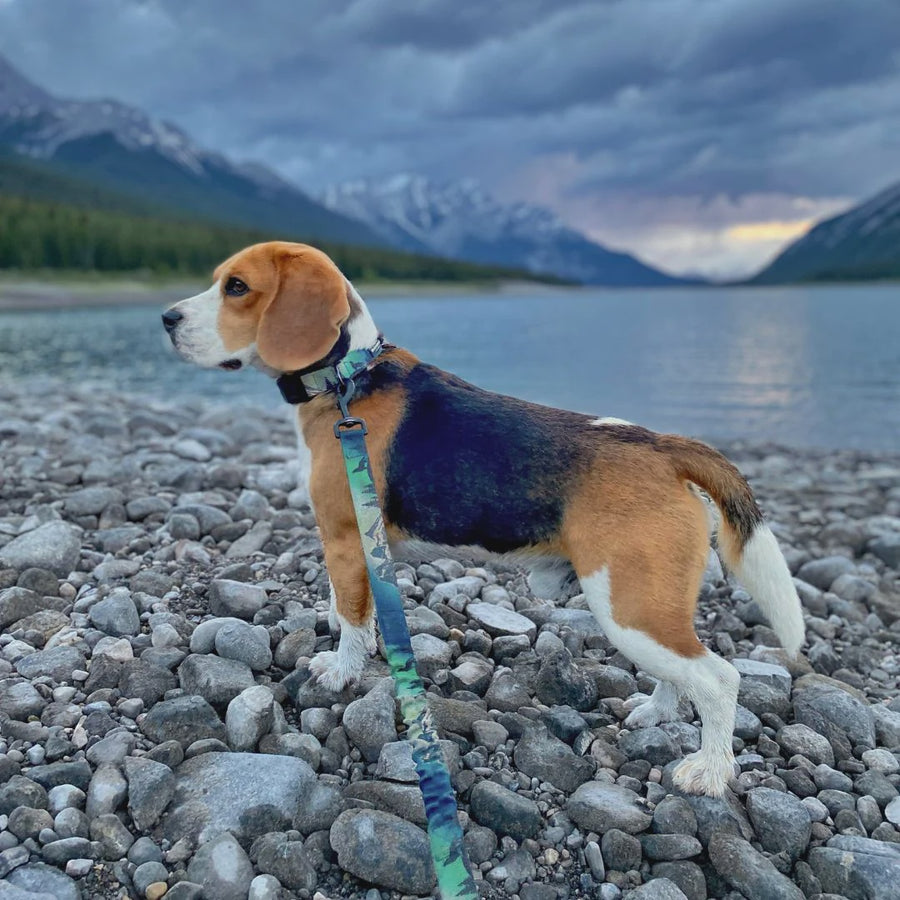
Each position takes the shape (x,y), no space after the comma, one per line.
(700,134)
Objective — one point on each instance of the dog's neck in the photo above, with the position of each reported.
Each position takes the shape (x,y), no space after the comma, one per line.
(361,330)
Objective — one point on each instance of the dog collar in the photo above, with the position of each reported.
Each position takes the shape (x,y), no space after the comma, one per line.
(302,386)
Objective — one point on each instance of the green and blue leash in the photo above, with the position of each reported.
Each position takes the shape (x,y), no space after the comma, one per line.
(445,835)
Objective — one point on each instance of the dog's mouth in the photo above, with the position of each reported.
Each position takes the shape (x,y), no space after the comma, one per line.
(231,364)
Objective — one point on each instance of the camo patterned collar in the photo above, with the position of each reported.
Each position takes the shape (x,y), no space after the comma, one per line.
(301,387)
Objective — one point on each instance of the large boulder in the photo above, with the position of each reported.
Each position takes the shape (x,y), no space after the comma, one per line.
(857,868)
(780,819)
(244,793)
(748,871)
(384,850)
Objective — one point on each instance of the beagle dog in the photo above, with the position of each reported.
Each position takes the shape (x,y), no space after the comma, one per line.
(455,465)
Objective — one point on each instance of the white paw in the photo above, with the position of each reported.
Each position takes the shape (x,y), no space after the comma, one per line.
(369,641)
(645,713)
(704,773)
(334,624)
(328,671)
(636,700)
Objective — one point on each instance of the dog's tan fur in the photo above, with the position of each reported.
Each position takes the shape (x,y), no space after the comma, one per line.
(624,509)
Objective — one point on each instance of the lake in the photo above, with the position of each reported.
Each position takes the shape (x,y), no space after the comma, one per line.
(802,366)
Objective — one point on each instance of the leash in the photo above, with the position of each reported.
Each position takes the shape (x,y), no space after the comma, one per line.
(445,836)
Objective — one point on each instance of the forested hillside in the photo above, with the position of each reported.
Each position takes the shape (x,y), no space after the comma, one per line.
(39,234)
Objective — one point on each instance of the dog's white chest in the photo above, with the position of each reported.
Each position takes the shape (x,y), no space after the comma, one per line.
(304,456)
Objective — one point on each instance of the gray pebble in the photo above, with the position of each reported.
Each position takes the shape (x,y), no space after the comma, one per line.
(55,546)
(264,887)
(504,811)
(369,721)
(245,643)
(223,869)
(249,717)
(147,873)
(235,598)
(151,786)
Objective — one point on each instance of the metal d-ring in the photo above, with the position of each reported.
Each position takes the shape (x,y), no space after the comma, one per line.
(345,392)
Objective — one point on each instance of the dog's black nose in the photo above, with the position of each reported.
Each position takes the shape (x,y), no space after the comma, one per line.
(171,318)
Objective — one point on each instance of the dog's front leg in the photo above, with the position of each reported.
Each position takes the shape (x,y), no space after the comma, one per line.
(351,608)
(334,622)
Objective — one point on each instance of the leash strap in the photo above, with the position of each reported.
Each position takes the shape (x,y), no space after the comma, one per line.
(454,879)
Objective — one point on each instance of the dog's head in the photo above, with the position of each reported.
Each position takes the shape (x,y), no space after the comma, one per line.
(276,305)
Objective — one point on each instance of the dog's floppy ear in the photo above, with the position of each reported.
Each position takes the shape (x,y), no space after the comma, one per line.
(303,320)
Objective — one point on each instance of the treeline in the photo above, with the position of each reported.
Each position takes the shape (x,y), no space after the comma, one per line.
(36,234)
(857,262)
(874,269)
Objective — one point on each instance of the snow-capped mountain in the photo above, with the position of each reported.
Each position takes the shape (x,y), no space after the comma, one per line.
(37,124)
(118,146)
(863,242)
(461,220)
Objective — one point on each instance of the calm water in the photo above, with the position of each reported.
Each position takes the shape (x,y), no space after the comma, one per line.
(801,366)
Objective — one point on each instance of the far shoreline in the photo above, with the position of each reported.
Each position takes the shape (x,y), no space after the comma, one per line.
(23,294)
(45,291)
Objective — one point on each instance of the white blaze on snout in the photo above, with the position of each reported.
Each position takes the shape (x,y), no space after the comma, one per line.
(197,337)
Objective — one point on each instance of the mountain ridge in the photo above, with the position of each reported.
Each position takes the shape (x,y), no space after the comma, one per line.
(861,243)
(114,145)
(462,220)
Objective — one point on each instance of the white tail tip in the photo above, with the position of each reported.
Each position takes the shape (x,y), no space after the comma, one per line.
(763,571)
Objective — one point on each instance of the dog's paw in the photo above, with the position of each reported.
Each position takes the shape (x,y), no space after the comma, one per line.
(326,667)
(645,713)
(704,773)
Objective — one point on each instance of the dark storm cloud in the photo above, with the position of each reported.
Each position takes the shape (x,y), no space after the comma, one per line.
(656,98)
(444,25)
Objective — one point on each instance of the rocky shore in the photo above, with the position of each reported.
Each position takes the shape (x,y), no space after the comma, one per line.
(162,592)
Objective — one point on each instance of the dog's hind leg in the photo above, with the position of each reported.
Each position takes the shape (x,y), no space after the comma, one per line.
(641,575)
(709,682)
(661,706)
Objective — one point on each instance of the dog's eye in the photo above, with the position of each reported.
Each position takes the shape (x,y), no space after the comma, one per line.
(234,287)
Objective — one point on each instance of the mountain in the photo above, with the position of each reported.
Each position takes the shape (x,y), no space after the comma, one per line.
(119,148)
(462,221)
(862,243)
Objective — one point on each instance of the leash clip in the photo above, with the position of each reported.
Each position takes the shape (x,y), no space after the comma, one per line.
(346,389)
(349,422)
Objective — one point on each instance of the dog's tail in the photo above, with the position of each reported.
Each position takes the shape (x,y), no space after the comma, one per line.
(746,543)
